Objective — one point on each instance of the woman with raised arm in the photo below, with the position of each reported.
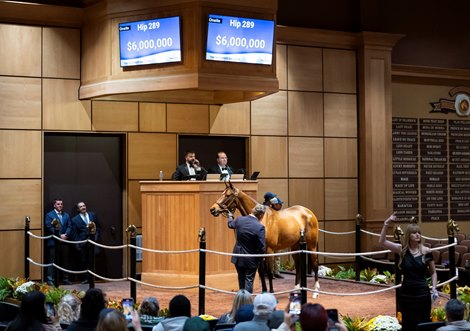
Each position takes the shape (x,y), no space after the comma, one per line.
(415,262)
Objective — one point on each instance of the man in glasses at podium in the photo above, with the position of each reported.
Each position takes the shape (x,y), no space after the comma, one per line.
(222,166)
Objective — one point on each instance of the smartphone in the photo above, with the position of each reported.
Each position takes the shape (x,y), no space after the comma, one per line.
(332,319)
(128,308)
(50,310)
(295,303)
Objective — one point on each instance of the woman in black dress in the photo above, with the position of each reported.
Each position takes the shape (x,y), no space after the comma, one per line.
(415,263)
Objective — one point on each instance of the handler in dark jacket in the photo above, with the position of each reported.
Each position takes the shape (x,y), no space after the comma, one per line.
(251,239)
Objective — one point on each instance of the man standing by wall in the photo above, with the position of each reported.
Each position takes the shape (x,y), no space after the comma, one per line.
(80,232)
(64,232)
(250,239)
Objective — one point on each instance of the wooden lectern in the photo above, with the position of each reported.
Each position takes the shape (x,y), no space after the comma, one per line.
(172,214)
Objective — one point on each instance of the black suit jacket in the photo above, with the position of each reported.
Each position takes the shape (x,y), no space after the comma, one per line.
(79,229)
(216,170)
(251,239)
(182,173)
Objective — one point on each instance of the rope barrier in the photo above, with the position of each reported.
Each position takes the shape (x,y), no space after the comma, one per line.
(338,233)
(106,246)
(39,237)
(352,294)
(250,255)
(107,279)
(377,261)
(164,287)
(375,234)
(164,252)
(70,241)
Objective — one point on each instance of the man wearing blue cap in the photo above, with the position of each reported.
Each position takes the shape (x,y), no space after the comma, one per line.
(271,200)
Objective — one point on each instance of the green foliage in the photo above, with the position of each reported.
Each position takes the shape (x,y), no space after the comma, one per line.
(6,289)
(345,274)
(368,274)
(54,294)
(390,277)
(355,323)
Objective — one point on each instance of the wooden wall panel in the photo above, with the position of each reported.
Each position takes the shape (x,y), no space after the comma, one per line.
(20,103)
(269,156)
(148,153)
(341,199)
(188,118)
(339,71)
(305,114)
(152,117)
(305,157)
(304,68)
(13,252)
(269,115)
(20,51)
(278,186)
(340,157)
(115,116)
(20,198)
(310,193)
(61,108)
(233,118)
(333,243)
(134,203)
(61,53)
(281,66)
(21,154)
(340,113)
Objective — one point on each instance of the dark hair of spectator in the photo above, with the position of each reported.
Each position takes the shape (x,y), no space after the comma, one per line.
(313,317)
(455,310)
(92,303)
(32,313)
(180,306)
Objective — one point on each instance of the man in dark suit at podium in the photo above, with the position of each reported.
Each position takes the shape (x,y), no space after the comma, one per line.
(222,167)
(191,169)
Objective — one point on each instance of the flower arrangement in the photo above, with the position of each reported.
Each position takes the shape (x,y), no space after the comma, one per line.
(17,288)
(383,323)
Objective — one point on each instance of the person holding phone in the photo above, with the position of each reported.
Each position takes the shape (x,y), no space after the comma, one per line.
(415,262)
(191,169)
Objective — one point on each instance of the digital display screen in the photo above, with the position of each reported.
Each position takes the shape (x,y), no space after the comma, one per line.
(238,39)
(149,42)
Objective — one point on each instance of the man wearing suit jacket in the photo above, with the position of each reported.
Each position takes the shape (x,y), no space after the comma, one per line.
(64,232)
(79,232)
(191,169)
(222,167)
(250,239)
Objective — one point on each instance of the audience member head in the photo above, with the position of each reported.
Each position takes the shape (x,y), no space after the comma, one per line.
(180,306)
(455,310)
(189,156)
(111,320)
(196,324)
(259,211)
(244,313)
(276,319)
(32,313)
(242,297)
(149,306)
(92,303)
(264,304)
(313,317)
(68,309)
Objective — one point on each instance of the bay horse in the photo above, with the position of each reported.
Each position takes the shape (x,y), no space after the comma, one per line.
(282,227)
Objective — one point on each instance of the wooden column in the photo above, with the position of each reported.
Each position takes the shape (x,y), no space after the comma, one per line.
(375,129)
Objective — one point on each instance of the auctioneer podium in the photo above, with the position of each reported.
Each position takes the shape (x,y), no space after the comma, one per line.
(172,214)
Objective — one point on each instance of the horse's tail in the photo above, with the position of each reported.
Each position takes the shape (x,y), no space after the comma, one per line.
(312,232)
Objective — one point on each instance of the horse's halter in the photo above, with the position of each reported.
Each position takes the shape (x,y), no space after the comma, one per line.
(229,203)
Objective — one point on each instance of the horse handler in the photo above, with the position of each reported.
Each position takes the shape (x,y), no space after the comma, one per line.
(250,239)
